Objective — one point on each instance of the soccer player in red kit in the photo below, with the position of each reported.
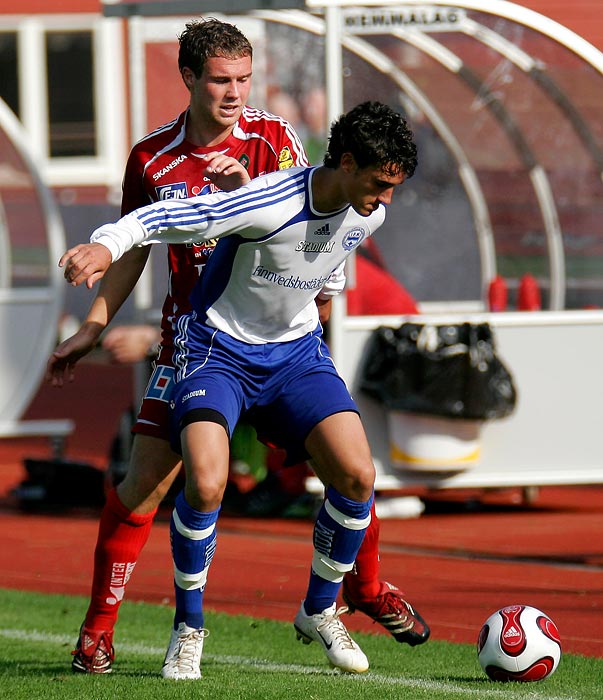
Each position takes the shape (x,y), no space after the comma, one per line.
(217,143)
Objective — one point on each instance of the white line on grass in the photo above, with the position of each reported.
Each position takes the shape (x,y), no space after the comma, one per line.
(262,665)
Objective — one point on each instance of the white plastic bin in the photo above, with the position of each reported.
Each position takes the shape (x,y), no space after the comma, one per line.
(432,443)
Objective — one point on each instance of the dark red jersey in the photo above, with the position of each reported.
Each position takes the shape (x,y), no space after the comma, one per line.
(164,165)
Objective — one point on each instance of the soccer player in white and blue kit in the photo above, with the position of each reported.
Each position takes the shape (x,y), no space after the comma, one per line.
(253,345)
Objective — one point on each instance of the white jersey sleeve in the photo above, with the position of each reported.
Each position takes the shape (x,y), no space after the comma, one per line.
(121,236)
(335,284)
(245,211)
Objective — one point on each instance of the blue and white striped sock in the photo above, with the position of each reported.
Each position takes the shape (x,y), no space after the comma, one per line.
(193,539)
(338,534)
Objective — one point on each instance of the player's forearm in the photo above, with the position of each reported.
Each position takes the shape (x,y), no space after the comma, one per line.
(324,309)
(115,287)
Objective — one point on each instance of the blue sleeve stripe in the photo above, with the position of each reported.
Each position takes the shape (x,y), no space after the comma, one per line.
(197,209)
(196,215)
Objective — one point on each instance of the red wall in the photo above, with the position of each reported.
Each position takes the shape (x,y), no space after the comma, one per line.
(172,97)
(48,7)
(581,16)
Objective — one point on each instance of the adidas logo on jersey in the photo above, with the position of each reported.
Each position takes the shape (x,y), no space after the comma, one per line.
(323,231)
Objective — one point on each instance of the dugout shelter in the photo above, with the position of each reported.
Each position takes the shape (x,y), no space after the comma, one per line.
(504,104)
(31,284)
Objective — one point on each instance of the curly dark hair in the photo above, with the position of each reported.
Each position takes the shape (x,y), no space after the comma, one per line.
(375,135)
(208,38)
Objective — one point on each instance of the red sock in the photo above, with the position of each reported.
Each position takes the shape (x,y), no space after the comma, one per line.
(363,582)
(121,537)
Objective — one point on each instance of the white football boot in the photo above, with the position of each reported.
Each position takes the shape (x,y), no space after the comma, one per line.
(328,630)
(183,657)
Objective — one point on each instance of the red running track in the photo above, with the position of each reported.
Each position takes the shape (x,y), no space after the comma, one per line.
(456,564)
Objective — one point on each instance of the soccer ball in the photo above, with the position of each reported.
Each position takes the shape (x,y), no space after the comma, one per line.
(518,643)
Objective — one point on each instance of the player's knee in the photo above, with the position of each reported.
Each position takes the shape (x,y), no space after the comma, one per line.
(358,481)
(205,492)
(365,483)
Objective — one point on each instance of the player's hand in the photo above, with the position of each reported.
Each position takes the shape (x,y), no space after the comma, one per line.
(128,344)
(86,262)
(225,172)
(61,364)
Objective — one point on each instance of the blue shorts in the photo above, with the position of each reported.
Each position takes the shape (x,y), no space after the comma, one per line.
(282,389)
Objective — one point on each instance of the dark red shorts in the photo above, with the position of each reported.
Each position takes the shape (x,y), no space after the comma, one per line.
(153,416)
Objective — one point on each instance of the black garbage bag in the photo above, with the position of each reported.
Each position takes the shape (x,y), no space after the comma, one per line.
(447,370)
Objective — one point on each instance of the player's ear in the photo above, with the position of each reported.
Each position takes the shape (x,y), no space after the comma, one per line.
(348,163)
(188,76)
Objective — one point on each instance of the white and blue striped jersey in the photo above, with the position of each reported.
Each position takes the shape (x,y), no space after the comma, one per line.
(275,251)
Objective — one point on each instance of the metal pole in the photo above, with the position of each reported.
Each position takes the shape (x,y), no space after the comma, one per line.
(334,85)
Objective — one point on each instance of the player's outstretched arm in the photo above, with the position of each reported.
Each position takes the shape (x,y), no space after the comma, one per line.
(115,287)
